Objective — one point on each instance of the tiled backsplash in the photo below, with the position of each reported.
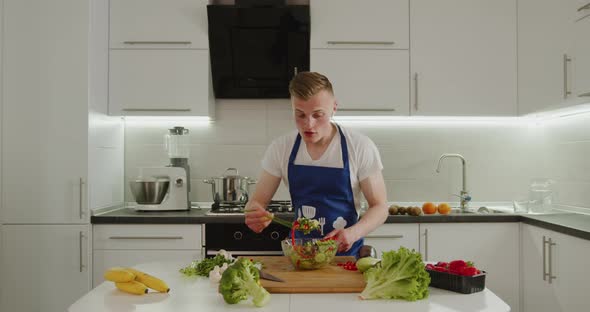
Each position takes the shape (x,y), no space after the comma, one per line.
(566,158)
(502,156)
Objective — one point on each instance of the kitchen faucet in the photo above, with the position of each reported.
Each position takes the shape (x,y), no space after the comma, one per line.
(464,196)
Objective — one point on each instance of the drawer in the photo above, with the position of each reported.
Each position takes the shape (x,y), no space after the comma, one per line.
(392,236)
(147,236)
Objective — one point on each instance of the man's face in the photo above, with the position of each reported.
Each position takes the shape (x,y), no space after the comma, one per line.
(312,117)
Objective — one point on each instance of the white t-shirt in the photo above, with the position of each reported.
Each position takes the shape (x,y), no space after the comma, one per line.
(363,158)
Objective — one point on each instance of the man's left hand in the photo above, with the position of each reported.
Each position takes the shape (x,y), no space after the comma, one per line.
(344,236)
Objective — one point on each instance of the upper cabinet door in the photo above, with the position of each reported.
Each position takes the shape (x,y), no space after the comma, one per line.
(545,35)
(463,57)
(359,24)
(158,24)
(159,82)
(582,58)
(366,80)
(45,111)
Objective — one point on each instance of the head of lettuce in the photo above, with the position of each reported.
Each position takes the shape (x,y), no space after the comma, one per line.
(399,275)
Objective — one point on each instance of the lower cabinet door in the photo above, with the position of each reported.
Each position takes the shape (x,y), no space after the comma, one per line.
(104,259)
(393,236)
(493,247)
(44,267)
(538,294)
(564,258)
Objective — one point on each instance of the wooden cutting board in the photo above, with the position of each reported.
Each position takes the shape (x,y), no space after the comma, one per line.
(329,279)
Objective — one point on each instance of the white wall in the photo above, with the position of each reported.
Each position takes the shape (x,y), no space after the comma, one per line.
(502,157)
(567,159)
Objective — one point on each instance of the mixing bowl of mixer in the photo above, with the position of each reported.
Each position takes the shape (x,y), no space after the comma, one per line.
(149,192)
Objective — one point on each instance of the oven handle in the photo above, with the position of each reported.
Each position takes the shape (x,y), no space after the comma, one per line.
(247,253)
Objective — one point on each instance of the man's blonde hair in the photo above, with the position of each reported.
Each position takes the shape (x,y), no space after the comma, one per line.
(307,84)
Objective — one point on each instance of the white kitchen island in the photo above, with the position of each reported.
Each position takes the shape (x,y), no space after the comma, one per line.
(198,294)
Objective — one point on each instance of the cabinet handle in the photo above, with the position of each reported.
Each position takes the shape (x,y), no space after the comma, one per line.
(82,183)
(544,261)
(550,275)
(566,91)
(416,91)
(368,109)
(81,252)
(157,42)
(145,237)
(584,7)
(584,94)
(385,236)
(425,244)
(156,109)
(362,42)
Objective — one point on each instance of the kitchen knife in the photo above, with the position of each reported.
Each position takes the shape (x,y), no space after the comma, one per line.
(270,277)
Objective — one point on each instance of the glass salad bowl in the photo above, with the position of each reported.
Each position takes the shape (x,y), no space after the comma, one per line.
(309,253)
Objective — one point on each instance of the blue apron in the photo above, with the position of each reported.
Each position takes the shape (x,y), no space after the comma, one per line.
(323,192)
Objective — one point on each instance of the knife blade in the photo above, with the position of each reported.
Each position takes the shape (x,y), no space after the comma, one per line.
(267,276)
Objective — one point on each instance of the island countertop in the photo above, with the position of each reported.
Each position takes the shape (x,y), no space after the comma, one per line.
(199,294)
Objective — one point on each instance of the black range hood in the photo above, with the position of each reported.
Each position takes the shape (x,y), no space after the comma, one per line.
(256,47)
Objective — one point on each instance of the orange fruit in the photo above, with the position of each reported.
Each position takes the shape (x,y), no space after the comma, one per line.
(429,208)
(444,208)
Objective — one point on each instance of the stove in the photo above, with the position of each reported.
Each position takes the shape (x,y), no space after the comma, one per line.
(234,208)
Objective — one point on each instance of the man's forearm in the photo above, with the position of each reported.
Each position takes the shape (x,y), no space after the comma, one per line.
(372,219)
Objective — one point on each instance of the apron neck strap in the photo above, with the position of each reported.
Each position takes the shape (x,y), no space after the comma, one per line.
(344,148)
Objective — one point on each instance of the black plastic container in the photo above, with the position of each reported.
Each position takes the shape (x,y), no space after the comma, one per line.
(458,283)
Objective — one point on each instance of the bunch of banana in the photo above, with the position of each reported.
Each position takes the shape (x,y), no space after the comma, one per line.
(134,281)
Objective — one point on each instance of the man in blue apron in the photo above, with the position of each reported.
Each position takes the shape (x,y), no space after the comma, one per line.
(325,174)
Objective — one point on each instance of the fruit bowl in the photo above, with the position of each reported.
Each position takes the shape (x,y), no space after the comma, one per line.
(309,253)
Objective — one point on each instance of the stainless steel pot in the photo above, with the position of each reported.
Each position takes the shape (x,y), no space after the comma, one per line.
(230,188)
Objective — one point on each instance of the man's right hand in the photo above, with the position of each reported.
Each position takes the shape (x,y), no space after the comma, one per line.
(257,217)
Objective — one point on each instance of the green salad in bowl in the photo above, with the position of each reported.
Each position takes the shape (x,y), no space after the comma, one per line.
(309,253)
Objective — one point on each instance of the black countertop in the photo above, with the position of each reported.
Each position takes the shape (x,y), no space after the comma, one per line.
(573,224)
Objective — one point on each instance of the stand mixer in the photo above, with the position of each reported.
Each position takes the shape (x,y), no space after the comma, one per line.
(166,188)
(160,189)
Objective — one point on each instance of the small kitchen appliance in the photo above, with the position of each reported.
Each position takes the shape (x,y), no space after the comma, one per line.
(177,146)
(160,189)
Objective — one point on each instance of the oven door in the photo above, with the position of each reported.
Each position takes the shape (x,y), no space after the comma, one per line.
(239,240)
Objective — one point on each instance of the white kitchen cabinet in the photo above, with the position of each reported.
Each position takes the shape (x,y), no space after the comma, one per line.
(45,111)
(159,82)
(463,57)
(176,24)
(133,244)
(545,36)
(392,236)
(493,247)
(564,257)
(382,24)
(366,80)
(582,57)
(44,267)
(159,58)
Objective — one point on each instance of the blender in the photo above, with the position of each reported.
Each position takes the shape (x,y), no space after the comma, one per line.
(176,143)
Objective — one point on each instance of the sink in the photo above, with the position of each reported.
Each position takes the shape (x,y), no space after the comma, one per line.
(483,211)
